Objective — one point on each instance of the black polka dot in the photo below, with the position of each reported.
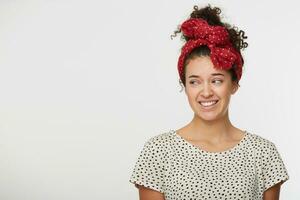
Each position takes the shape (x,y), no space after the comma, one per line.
(180,170)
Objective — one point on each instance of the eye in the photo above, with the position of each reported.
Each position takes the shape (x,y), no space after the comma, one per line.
(218,81)
(192,82)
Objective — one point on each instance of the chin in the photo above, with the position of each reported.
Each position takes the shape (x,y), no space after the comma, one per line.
(208,117)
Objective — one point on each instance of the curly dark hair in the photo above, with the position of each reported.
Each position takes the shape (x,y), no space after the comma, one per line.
(212,16)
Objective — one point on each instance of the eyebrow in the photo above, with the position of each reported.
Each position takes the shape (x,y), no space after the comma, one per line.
(214,74)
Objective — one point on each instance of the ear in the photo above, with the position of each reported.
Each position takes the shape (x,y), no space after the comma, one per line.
(235,87)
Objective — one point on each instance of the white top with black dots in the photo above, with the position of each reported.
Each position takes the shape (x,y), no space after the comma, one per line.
(180,170)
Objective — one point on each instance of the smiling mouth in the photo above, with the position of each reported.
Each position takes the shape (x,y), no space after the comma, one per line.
(208,104)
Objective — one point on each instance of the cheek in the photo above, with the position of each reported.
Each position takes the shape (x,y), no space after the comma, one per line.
(223,91)
(191,97)
(191,92)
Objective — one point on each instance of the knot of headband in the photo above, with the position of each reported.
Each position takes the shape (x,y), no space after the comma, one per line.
(216,38)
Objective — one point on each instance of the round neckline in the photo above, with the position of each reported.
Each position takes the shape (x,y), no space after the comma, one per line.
(239,144)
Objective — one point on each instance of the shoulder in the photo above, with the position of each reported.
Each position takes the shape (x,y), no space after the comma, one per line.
(261,143)
(258,139)
(161,138)
(270,165)
(160,141)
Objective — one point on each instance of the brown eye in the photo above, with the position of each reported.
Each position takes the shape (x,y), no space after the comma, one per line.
(192,82)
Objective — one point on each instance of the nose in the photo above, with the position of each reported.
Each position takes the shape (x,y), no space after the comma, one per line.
(206,91)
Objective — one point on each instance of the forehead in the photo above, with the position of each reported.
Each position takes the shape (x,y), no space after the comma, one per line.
(202,66)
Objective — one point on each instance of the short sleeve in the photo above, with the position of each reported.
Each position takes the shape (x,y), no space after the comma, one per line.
(149,168)
(273,169)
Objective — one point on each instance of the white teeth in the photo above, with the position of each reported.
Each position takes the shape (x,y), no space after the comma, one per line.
(208,103)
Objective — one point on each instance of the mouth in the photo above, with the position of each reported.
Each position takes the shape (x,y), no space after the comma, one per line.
(208,104)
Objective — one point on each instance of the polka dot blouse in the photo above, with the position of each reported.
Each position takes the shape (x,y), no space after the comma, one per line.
(180,170)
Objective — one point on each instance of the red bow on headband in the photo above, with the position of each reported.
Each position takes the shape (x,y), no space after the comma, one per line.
(222,54)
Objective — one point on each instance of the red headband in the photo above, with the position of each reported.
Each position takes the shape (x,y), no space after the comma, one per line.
(222,54)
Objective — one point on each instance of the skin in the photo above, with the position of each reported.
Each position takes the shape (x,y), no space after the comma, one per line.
(209,129)
(149,194)
(273,192)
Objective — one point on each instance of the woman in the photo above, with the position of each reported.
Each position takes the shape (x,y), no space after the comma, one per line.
(209,158)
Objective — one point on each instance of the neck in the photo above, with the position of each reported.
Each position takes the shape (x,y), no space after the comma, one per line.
(215,130)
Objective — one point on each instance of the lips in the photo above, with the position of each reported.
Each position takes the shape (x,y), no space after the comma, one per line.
(208,104)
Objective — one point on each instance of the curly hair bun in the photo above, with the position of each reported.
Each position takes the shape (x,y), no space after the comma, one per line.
(212,16)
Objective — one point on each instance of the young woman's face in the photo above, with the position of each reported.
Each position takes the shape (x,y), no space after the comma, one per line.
(208,89)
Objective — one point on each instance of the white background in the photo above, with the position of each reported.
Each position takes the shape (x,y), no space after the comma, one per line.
(83,84)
